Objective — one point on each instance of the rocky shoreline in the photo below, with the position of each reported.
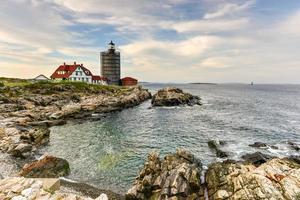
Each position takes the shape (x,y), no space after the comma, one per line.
(27,112)
(181,176)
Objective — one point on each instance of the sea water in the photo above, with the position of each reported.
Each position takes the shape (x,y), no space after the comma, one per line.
(108,153)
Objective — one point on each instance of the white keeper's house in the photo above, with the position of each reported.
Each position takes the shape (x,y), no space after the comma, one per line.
(77,73)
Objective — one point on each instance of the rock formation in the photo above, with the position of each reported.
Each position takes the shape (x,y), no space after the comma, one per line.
(47,167)
(174,97)
(294,146)
(256,158)
(277,179)
(259,145)
(19,188)
(177,176)
(215,145)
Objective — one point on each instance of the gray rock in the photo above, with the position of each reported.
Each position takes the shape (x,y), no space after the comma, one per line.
(215,145)
(176,176)
(256,158)
(22,150)
(294,146)
(174,97)
(259,145)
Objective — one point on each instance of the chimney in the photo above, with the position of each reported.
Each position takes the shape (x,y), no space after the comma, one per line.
(64,64)
(74,63)
(81,65)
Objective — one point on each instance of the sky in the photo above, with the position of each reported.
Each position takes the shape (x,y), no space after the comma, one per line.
(160,40)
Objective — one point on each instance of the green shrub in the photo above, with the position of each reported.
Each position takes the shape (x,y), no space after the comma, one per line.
(1,84)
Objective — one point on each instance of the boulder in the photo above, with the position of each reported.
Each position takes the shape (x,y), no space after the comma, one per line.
(47,167)
(256,158)
(215,145)
(174,97)
(294,146)
(259,145)
(295,158)
(177,176)
(102,197)
(276,179)
(22,150)
(37,136)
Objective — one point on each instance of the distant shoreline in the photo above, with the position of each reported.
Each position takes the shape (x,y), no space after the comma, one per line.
(204,83)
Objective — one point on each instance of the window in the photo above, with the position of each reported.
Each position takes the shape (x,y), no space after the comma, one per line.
(79,79)
(87,79)
(74,78)
(80,73)
(76,73)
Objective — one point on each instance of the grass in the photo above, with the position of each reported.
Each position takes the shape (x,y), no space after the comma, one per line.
(13,82)
(17,87)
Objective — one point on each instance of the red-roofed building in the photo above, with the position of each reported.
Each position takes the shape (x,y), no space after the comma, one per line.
(77,72)
(129,81)
(100,80)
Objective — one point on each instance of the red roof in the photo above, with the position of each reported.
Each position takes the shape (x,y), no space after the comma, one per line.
(99,78)
(128,79)
(68,71)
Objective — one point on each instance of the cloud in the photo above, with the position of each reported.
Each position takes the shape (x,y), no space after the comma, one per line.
(210,26)
(229,8)
(171,40)
(191,46)
(33,23)
(216,62)
(291,25)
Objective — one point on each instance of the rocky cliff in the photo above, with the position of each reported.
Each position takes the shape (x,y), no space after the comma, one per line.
(27,111)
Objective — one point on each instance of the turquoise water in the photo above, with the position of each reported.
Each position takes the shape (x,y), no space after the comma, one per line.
(109,152)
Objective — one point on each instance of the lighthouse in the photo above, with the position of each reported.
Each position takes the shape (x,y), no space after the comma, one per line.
(111,64)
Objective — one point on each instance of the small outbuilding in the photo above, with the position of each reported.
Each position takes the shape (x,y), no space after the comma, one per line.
(41,77)
(129,81)
(100,80)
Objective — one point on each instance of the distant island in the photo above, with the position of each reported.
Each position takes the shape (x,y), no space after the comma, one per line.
(204,83)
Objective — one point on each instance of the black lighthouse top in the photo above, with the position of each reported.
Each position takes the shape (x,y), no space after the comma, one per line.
(111,47)
(111,43)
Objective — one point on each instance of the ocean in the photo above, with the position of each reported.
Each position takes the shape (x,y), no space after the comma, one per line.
(108,153)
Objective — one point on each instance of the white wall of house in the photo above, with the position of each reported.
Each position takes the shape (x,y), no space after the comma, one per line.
(100,82)
(79,75)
